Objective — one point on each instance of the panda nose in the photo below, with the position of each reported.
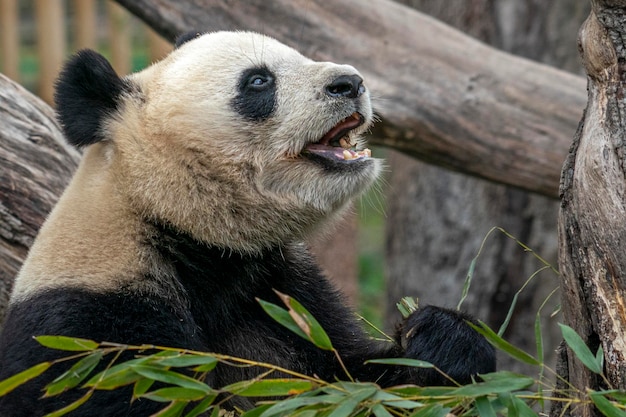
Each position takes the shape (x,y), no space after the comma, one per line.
(349,86)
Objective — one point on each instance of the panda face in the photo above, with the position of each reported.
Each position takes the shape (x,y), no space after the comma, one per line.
(240,140)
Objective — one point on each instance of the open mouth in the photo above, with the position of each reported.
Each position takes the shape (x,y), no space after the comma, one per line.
(340,141)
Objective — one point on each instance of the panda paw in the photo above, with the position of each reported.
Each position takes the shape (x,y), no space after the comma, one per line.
(443,337)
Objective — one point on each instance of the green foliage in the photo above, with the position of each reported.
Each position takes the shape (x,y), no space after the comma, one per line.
(180,374)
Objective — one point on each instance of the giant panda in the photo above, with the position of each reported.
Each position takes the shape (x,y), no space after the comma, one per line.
(201,178)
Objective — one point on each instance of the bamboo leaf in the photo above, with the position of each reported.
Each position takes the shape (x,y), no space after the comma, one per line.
(580,349)
(270,387)
(307,323)
(282,317)
(175,409)
(348,405)
(113,378)
(605,406)
(175,394)
(18,379)
(402,362)
(187,360)
(141,387)
(67,343)
(432,410)
(484,408)
(73,406)
(171,377)
(495,383)
(202,407)
(75,375)
(503,345)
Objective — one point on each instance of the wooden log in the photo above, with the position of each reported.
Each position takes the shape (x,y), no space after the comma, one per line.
(443,97)
(592,219)
(36,166)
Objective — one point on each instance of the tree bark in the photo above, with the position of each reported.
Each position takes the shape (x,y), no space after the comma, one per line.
(592,219)
(443,97)
(36,165)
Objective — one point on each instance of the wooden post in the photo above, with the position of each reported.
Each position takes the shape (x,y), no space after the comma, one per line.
(592,219)
(119,38)
(9,36)
(85,24)
(50,19)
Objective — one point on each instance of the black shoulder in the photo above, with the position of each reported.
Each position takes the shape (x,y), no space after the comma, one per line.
(186,37)
(87,92)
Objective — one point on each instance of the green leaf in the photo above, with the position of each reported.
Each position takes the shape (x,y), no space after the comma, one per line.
(483,405)
(282,317)
(113,378)
(67,343)
(141,387)
(380,411)
(307,323)
(175,409)
(202,407)
(270,387)
(432,410)
(402,362)
(286,407)
(517,407)
(395,401)
(347,406)
(580,349)
(407,306)
(605,406)
(75,375)
(170,377)
(186,360)
(18,379)
(503,345)
(73,406)
(175,394)
(497,382)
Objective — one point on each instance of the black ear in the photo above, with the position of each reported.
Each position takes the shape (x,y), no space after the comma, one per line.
(87,92)
(186,37)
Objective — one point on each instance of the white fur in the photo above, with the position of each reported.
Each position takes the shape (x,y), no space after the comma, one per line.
(177,152)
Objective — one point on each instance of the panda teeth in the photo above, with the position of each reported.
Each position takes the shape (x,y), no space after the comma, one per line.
(345,142)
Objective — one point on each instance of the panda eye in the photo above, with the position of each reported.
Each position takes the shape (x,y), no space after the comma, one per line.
(259,81)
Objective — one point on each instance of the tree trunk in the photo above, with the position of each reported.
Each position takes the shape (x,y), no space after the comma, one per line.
(592,219)
(36,166)
(443,97)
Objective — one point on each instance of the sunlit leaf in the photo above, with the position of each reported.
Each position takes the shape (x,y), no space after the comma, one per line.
(269,387)
(580,349)
(281,316)
(75,375)
(187,360)
(18,379)
(141,387)
(307,323)
(67,343)
(174,394)
(171,377)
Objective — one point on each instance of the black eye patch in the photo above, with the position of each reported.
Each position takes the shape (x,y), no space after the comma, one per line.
(256,94)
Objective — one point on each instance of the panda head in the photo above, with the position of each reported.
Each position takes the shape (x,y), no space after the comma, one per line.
(234,138)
